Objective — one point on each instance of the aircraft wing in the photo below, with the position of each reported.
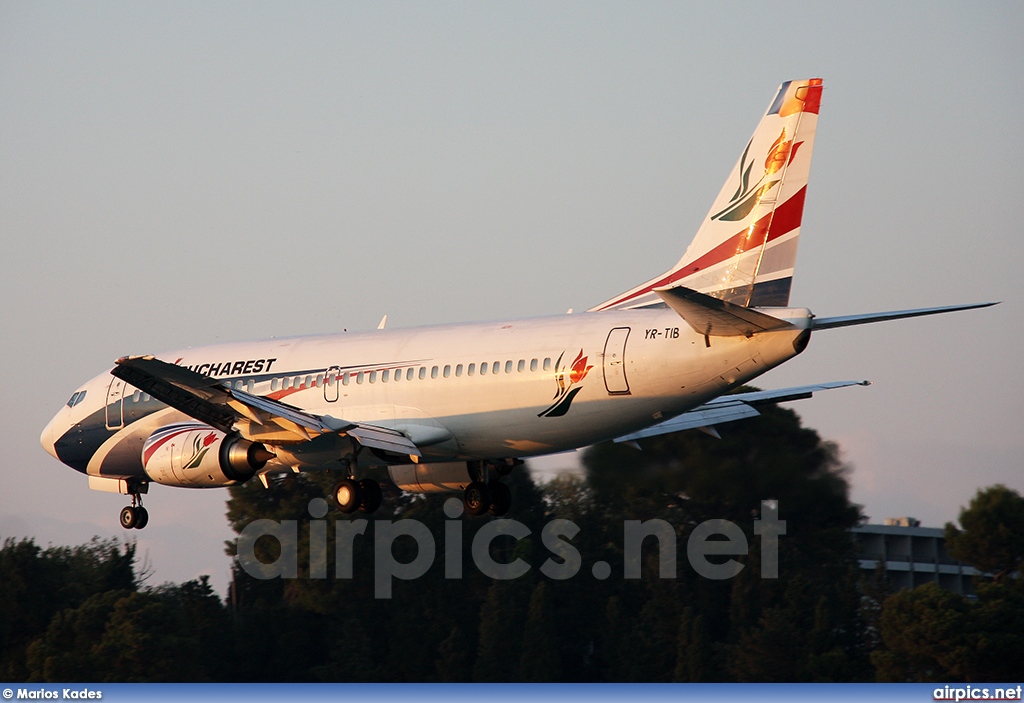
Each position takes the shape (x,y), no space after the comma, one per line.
(256,418)
(737,406)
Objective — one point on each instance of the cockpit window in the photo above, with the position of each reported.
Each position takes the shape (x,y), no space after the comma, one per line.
(76,399)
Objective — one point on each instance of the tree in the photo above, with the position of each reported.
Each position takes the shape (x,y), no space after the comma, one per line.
(498,652)
(992,538)
(540,661)
(811,610)
(37,584)
(454,661)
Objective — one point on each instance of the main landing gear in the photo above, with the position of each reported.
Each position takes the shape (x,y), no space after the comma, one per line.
(352,495)
(494,498)
(134,516)
(487,496)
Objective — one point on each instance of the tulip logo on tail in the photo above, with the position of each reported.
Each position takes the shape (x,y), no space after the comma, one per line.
(748,196)
(565,392)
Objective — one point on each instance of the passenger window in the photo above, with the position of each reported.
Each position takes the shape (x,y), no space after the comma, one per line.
(447,370)
(146,397)
(521,366)
(297,382)
(533,364)
(345,376)
(423,372)
(320,379)
(359,377)
(136,395)
(483,369)
(547,364)
(496,367)
(249,385)
(433,372)
(309,381)
(508,366)
(458,370)
(408,374)
(471,370)
(373,377)
(286,384)
(384,376)
(273,385)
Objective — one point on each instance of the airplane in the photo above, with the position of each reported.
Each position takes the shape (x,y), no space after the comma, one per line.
(453,408)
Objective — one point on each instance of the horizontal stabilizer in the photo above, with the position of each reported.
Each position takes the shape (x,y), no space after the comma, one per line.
(824,323)
(737,406)
(718,318)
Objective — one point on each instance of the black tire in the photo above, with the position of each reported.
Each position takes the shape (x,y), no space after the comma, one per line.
(477,498)
(501,499)
(129,517)
(372,496)
(143,517)
(347,495)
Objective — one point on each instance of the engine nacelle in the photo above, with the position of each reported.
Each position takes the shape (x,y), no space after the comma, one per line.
(442,477)
(194,455)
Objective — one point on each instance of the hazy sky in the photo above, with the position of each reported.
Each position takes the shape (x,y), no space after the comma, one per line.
(183,173)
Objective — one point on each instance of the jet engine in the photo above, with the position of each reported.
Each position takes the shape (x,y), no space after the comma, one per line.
(194,455)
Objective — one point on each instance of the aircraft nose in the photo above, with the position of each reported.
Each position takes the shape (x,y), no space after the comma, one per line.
(47,438)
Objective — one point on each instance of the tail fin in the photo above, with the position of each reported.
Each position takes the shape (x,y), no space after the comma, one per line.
(745,250)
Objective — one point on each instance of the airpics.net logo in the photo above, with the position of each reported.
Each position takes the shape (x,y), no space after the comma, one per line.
(718,538)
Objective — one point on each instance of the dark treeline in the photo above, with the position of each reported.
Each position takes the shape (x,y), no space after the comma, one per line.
(83,613)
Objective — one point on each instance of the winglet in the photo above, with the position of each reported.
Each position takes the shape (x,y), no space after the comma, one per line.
(718,318)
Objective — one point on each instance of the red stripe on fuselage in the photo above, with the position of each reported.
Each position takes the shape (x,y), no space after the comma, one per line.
(151,449)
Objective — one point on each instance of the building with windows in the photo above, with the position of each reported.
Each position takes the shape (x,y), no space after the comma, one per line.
(912,556)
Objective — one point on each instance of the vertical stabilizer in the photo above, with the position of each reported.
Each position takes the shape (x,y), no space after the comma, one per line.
(745,250)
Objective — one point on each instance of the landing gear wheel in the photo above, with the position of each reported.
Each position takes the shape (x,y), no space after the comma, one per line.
(501,499)
(141,517)
(347,495)
(129,517)
(477,498)
(371,494)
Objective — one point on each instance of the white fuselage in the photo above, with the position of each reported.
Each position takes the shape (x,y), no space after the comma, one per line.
(490,390)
